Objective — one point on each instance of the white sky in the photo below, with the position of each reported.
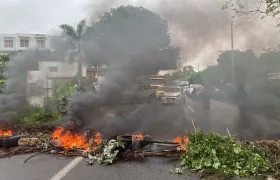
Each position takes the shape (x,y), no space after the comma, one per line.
(39,16)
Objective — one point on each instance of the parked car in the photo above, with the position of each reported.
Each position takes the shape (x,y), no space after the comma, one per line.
(173,94)
(138,93)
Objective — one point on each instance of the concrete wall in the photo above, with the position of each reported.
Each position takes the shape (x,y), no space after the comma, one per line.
(64,68)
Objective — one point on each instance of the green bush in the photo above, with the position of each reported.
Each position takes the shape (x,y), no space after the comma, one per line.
(40,115)
(63,90)
(209,152)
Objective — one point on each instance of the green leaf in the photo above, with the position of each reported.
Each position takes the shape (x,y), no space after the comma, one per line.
(213,151)
(236,150)
(216,165)
(208,163)
(236,172)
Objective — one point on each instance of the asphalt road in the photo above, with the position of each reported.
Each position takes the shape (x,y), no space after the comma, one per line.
(162,122)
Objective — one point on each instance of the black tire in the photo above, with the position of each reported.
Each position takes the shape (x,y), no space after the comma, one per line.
(62,108)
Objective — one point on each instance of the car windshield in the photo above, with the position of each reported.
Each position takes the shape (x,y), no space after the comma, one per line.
(197,86)
(161,88)
(173,90)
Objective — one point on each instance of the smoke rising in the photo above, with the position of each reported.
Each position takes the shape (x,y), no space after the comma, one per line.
(201,29)
(14,99)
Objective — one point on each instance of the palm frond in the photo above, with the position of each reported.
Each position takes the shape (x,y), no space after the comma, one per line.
(68,31)
(81,28)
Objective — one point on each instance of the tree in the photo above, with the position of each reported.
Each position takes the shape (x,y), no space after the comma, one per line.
(131,37)
(3,61)
(246,66)
(74,37)
(188,71)
(195,78)
(270,61)
(260,8)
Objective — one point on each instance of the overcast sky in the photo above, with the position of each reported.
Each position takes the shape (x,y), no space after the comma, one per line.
(39,16)
(193,23)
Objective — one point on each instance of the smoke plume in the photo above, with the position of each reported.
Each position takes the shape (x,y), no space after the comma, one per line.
(14,100)
(201,29)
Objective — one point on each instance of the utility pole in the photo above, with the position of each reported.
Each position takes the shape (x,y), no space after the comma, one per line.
(232,53)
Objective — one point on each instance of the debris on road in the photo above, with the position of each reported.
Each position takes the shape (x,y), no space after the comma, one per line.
(216,154)
(199,151)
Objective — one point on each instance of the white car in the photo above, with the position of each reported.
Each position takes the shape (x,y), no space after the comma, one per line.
(198,87)
(173,94)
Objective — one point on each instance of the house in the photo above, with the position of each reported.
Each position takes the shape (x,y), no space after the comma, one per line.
(19,42)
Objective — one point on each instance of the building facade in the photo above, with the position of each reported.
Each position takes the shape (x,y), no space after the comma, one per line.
(19,42)
(61,69)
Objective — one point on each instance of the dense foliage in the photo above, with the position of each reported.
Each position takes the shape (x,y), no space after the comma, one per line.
(252,71)
(63,90)
(187,74)
(128,35)
(209,152)
(40,115)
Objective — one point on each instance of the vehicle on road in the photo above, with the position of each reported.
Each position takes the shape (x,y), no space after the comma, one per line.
(198,89)
(142,92)
(185,85)
(173,94)
(157,81)
(159,92)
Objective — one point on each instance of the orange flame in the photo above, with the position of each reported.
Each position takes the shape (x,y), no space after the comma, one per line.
(139,137)
(182,142)
(6,133)
(97,139)
(70,140)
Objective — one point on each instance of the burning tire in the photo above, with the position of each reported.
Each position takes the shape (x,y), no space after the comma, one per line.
(62,108)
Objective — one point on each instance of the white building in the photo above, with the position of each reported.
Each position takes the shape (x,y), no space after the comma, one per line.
(61,69)
(18,42)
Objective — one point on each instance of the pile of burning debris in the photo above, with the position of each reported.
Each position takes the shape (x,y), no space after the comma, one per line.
(96,147)
(89,144)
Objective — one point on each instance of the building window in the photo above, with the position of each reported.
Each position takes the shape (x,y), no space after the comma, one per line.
(53,69)
(8,43)
(24,43)
(41,43)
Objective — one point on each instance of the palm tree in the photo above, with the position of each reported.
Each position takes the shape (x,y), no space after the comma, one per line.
(75,37)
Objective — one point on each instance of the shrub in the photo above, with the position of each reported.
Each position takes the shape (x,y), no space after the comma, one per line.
(40,115)
(63,90)
(209,152)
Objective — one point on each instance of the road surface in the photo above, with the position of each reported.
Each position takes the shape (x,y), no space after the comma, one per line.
(162,122)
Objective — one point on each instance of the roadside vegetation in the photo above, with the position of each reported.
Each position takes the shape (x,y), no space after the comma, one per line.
(213,155)
(258,74)
(40,115)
